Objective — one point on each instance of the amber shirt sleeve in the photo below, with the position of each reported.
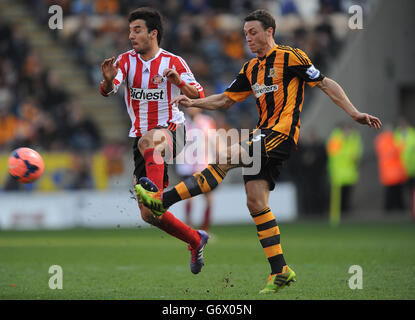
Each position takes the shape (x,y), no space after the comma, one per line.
(300,65)
(240,88)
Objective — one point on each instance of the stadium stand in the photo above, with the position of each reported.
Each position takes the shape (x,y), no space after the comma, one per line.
(205,33)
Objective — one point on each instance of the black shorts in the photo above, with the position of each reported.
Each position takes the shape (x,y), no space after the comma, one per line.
(275,149)
(176,135)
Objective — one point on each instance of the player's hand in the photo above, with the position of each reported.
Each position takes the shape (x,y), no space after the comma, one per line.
(109,70)
(183,100)
(172,76)
(367,119)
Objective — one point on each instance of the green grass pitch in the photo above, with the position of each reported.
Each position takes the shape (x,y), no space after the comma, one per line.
(145,263)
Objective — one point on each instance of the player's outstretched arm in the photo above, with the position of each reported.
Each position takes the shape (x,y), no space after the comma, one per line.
(187,89)
(109,72)
(339,97)
(213,102)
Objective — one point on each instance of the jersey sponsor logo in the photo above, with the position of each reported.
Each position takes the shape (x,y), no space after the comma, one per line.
(259,90)
(313,73)
(157,79)
(147,94)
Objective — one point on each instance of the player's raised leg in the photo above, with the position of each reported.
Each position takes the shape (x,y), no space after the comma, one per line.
(257,192)
(200,182)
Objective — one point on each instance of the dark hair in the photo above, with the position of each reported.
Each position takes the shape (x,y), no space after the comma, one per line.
(152,18)
(266,19)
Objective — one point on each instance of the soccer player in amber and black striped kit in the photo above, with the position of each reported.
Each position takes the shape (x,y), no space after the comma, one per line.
(276,77)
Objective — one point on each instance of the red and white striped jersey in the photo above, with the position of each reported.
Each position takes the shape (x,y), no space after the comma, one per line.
(148,94)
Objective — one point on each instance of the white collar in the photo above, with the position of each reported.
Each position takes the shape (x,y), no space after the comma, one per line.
(149,61)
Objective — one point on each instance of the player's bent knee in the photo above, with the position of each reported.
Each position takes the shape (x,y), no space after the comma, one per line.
(255,204)
(144,143)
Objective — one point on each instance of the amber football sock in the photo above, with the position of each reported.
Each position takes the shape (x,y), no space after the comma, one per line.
(269,236)
(200,182)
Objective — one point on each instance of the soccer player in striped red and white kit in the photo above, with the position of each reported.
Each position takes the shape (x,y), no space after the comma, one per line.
(153,77)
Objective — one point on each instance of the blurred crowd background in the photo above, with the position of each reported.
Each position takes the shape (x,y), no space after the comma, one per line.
(37,110)
(206,33)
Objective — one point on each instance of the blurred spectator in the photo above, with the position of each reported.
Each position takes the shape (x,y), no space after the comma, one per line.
(288,7)
(83,7)
(114,153)
(107,6)
(80,130)
(5,39)
(392,174)
(198,124)
(309,171)
(25,133)
(234,45)
(195,6)
(405,138)
(32,76)
(81,177)
(18,46)
(16,130)
(330,6)
(81,40)
(8,126)
(65,4)
(54,96)
(344,149)
(48,136)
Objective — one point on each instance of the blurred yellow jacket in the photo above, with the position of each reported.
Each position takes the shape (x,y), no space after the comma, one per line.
(406,139)
(344,154)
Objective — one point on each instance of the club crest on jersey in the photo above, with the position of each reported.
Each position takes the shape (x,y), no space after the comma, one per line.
(157,79)
(272,73)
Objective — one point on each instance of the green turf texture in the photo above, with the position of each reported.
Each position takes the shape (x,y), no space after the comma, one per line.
(146,263)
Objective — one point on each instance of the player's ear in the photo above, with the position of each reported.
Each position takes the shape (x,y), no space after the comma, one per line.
(153,34)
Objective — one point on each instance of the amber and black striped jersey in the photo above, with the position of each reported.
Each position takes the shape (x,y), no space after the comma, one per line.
(277,81)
